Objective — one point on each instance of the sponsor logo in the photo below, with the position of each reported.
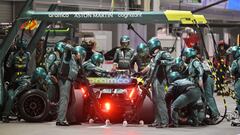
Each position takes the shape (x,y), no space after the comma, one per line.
(59,15)
(96,15)
(95,80)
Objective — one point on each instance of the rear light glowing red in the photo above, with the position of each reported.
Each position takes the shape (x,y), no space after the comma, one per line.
(84,92)
(107,106)
(132,93)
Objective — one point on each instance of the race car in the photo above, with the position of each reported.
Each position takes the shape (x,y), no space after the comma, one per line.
(116,99)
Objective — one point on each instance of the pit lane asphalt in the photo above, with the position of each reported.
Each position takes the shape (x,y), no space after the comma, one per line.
(49,128)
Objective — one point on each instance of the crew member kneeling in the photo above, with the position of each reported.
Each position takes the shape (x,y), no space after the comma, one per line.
(181,94)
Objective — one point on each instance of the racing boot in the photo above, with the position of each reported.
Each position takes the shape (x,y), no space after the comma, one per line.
(236,123)
(172,125)
(5,119)
(154,124)
(64,123)
(211,121)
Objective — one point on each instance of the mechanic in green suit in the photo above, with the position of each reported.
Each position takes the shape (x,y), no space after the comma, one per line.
(235,71)
(20,83)
(92,67)
(68,72)
(161,61)
(208,83)
(52,63)
(181,93)
(195,71)
(141,58)
(19,61)
(39,80)
(54,57)
(123,55)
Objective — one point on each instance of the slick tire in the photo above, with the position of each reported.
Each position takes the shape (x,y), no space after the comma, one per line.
(147,111)
(75,113)
(34,106)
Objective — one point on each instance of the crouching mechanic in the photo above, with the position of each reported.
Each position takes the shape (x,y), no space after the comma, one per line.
(68,72)
(19,62)
(161,61)
(235,71)
(92,67)
(181,94)
(39,80)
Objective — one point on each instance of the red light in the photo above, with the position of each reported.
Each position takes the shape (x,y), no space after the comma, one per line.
(107,106)
(83,90)
(131,93)
(85,94)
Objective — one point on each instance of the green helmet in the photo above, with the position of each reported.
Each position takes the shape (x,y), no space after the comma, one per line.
(84,44)
(179,62)
(189,53)
(97,59)
(80,50)
(153,44)
(59,47)
(123,40)
(21,43)
(142,49)
(39,73)
(234,50)
(173,76)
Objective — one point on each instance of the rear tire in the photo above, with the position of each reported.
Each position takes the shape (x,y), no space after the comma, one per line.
(75,113)
(147,111)
(34,106)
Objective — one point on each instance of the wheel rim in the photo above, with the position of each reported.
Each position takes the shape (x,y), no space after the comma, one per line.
(34,106)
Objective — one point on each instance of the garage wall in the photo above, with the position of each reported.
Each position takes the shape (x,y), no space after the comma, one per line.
(5,11)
